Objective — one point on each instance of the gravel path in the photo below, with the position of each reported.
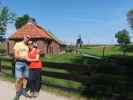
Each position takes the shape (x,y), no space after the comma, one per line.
(7,92)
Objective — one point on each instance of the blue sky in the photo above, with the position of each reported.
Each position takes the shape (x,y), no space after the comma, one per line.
(96,20)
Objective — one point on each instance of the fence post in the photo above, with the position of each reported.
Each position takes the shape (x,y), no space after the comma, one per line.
(103,51)
(13,66)
(0,65)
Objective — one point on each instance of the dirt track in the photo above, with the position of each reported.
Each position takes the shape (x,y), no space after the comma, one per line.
(7,92)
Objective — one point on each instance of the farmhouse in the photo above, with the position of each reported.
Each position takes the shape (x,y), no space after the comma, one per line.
(48,43)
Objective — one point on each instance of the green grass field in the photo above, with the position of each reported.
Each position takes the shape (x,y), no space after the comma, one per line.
(98,50)
(66,58)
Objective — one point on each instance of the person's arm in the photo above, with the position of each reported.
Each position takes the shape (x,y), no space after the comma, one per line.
(16,53)
(34,59)
(34,53)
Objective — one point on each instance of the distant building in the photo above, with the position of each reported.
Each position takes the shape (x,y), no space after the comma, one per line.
(79,42)
(48,43)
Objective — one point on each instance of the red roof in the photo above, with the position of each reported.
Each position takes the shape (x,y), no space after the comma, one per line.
(32,29)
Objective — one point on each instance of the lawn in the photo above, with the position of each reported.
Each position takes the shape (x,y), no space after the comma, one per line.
(98,50)
(66,58)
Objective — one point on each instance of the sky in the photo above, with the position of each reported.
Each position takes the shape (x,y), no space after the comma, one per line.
(96,21)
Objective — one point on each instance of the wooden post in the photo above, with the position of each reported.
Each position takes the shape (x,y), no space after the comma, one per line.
(0,65)
(13,66)
(8,47)
(103,51)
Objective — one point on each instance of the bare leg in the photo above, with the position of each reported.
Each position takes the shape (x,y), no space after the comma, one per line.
(24,92)
(24,83)
(18,85)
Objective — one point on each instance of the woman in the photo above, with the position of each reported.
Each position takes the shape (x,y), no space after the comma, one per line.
(35,67)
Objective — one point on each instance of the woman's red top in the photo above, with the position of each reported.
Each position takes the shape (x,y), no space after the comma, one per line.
(32,55)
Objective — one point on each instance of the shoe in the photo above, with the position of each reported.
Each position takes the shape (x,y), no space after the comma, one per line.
(36,94)
(16,98)
(17,95)
(31,94)
(24,93)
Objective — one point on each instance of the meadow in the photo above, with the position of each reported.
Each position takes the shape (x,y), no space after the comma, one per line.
(109,50)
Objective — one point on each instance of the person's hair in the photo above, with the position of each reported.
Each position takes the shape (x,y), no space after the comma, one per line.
(35,45)
(27,36)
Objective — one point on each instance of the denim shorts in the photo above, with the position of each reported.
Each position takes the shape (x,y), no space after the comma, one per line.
(21,70)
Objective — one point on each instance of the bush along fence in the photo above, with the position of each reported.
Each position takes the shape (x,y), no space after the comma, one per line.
(101,79)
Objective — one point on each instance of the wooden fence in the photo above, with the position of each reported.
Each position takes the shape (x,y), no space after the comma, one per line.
(102,78)
(75,72)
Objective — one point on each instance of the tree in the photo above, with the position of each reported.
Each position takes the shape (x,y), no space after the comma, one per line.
(130,18)
(123,39)
(6,17)
(20,21)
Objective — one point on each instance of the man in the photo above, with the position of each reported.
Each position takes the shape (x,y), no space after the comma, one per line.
(21,69)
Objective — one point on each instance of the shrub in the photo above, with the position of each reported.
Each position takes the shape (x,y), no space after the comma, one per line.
(2,49)
(69,49)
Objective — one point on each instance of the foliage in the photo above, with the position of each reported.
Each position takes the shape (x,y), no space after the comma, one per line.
(123,39)
(69,49)
(130,18)
(2,49)
(20,21)
(6,17)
